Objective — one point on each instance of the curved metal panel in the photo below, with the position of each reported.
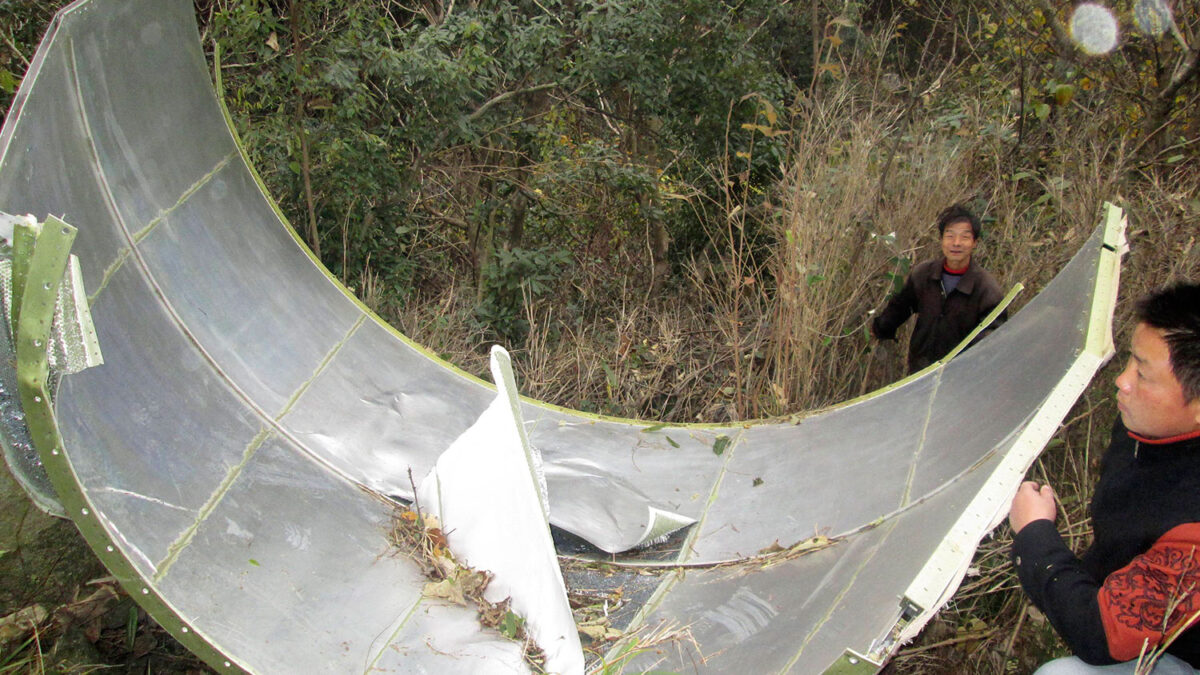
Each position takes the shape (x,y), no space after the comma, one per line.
(236,459)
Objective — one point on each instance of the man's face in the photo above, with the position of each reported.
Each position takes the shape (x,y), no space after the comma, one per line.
(1149,396)
(958,240)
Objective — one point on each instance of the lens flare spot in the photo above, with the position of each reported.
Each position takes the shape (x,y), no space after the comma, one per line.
(1094,28)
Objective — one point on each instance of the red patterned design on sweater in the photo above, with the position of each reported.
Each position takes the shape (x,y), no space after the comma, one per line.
(1154,595)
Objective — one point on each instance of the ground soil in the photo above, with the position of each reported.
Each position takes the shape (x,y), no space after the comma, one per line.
(87,622)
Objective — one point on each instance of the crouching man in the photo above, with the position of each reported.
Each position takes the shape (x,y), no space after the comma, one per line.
(1136,589)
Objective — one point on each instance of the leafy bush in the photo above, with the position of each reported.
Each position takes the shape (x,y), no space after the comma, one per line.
(517,277)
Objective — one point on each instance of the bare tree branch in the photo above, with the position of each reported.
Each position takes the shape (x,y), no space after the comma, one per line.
(500,98)
(1163,104)
(1185,71)
(1062,40)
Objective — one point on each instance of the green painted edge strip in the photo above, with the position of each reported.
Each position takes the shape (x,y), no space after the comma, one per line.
(1108,281)
(24,237)
(43,262)
(852,663)
(46,268)
(987,321)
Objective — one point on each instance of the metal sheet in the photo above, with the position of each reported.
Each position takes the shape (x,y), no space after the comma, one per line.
(136,91)
(64,180)
(272,351)
(805,470)
(799,616)
(232,459)
(171,428)
(994,387)
(308,581)
(380,407)
(681,478)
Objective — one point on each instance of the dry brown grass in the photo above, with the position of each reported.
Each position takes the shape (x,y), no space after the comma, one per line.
(843,225)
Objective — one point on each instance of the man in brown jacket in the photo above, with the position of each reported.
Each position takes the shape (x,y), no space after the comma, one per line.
(949,294)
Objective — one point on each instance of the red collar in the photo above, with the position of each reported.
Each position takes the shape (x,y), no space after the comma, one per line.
(1164,441)
(947,270)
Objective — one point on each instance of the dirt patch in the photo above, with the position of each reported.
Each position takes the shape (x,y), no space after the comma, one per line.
(61,612)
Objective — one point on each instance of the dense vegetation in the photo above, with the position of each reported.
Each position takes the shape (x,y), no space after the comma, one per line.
(685,209)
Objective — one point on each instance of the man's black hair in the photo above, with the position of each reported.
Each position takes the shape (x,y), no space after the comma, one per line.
(1175,310)
(956,213)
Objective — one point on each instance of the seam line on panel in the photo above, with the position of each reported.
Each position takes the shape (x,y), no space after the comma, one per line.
(912,467)
(836,601)
(231,476)
(370,667)
(215,498)
(141,234)
(333,351)
(271,423)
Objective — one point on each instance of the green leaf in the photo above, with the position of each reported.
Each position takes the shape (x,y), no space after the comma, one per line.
(672,442)
(254,562)
(8,82)
(510,625)
(1063,94)
(610,377)
(720,445)
(131,627)
(656,427)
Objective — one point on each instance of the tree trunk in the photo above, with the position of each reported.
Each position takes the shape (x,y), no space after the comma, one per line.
(314,241)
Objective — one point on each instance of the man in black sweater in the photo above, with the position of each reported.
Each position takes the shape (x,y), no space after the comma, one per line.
(1134,594)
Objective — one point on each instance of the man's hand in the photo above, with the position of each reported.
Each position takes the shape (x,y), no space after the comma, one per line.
(1031,503)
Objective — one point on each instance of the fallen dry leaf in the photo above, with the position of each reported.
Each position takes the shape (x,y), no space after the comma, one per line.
(20,623)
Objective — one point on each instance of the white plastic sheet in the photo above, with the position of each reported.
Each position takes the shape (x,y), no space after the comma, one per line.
(488,492)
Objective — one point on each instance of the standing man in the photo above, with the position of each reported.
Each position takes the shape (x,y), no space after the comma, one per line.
(949,294)
(1138,586)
